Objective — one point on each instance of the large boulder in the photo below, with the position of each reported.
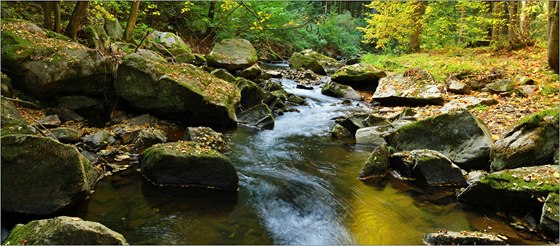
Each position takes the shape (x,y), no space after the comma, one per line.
(377,165)
(459,135)
(41,176)
(114,29)
(531,142)
(513,190)
(415,87)
(434,169)
(232,54)
(12,121)
(64,230)
(169,45)
(185,164)
(359,76)
(47,64)
(341,91)
(550,215)
(177,91)
(462,238)
(251,93)
(316,62)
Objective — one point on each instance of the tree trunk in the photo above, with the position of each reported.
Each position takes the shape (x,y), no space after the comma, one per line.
(553,9)
(513,24)
(496,21)
(211,13)
(74,25)
(57,21)
(462,23)
(47,17)
(131,21)
(419,9)
(526,20)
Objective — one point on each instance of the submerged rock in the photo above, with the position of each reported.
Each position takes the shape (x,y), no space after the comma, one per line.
(459,135)
(377,165)
(359,76)
(41,176)
(260,116)
(48,64)
(341,91)
(64,230)
(531,142)
(232,54)
(462,238)
(513,190)
(187,164)
(177,91)
(415,87)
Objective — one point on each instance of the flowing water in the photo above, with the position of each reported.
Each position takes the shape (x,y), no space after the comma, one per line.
(297,186)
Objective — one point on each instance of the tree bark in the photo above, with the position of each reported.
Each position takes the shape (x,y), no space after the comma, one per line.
(526,20)
(47,16)
(74,25)
(553,10)
(513,24)
(462,24)
(211,13)
(57,21)
(496,21)
(131,21)
(419,9)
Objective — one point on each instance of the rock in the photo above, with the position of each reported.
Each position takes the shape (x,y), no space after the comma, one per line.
(514,190)
(259,116)
(232,54)
(49,121)
(169,45)
(377,165)
(48,64)
(475,176)
(223,74)
(99,139)
(177,91)
(205,136)
(533,141)
(501,86)
(308,74)
(434,169)
(339,131)
(549,216)
(297,100)
(341,91)
(188,164)
(251,93)
(45,180)
(66,135)
(467,102)
(462,238)
(372,135)
(403,162)
(12,121)
(64,230)
(359,76)
(459,135)
(65,114)
(408,90)
(524,80)
(6,85)
(114,29)
(527,90)
(82,105)
(457,87)
(354,122)
(195,59)
(251,72)
(304,87)
(273,73)
(141,138)
(318,63)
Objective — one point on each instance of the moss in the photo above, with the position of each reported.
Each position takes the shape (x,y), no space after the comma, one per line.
(535,120)
(519,180)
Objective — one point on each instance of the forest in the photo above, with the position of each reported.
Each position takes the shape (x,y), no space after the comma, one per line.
(280,122)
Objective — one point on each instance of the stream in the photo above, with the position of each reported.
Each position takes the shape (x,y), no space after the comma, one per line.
(297,186)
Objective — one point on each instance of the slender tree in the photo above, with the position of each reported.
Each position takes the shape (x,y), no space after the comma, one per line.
(74,25)
(553,10)
(496,21)
(526,7)
(131,20)
(57,20)
(419,7)
(47,14)
(513,24)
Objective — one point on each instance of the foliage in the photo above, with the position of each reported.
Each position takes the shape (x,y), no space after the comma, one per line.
(391,25)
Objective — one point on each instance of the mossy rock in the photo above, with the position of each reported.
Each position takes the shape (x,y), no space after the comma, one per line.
(251,72)
(533,141)
(340,91)
(503,85)
(377,164)
(34,182)
(185,164)
(12,121)
(48,65)
(176,91)
(232,54)
(459,135)
(6,85)
(114,29)
(550,215)
(251,93)
(298,60)
(513,190)
(259,115)
(408,90)
(64,230)
(223,74)
(359,76)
